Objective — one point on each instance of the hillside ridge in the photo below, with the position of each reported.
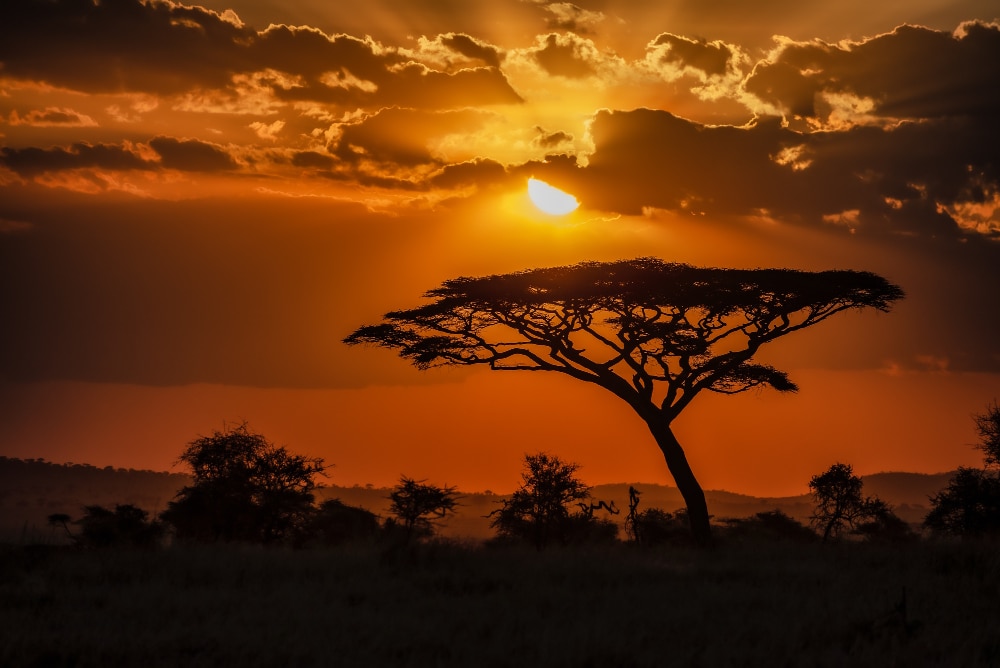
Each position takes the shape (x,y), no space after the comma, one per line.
(33,489)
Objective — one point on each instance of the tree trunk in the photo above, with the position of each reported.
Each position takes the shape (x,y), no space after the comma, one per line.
(694,496)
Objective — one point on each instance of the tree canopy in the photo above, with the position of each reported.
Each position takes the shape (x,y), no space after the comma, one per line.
(970,505)
(988,429)
(653,333)
(840,504)
(539,509)
(419,506)
(647,321)
(245,489)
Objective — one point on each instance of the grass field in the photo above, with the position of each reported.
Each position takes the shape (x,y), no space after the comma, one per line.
(453,605)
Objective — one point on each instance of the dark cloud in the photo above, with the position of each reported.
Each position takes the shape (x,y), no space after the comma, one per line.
(480,173)
(910,73)
(191,155)
(549,140)
(886,176)
(568,16)
(124,45)
(656,159)
(166,48)
(561,56)
(400,137)
(473,48)
(900,188)
(31,161)
(710,58)
(311,53)
(52,117)
(312,159)
(417,86)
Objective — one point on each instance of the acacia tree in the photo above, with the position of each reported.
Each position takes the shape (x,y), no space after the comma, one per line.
(418,506)
(538,510)
(970,505)
(245,489)
(839,502)
(654,334)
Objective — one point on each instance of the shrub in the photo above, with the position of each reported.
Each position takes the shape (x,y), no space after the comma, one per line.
(771,525)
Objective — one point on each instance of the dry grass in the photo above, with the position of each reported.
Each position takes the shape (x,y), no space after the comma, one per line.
(454,605)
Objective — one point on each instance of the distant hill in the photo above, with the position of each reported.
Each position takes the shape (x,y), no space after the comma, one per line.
(33,489)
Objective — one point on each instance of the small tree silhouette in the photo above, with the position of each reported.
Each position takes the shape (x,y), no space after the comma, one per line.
(988,428)
(61,520)
(652,333)
(419,506)
(245,489)
(539,510)
(970,505)
(839,502)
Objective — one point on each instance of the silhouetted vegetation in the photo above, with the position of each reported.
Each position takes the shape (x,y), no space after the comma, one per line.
(772,525)
(124,526)
(840,505)
(245,489)
(970,505)
(336,523)
(655,334)
(417,507)
(886,527)
(654,526)
(880,603)
(988,429)
(539,511)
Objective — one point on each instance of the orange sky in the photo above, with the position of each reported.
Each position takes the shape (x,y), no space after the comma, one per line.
(197,203)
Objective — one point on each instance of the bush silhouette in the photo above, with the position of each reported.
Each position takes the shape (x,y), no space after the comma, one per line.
(245,489)
(969,507)
(655,526)
(887,527)
(539,511)
(336,523)
(771,525)
(126,525)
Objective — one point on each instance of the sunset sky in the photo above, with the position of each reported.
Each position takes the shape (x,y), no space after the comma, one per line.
(199,202)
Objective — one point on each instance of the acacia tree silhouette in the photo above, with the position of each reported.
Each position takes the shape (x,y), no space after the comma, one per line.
(839,502)
(970,505)
(538,510)
(245,489)
(653,333)
(418,505)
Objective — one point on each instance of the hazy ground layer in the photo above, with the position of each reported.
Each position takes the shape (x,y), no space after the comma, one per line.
(447,605)
(30,491)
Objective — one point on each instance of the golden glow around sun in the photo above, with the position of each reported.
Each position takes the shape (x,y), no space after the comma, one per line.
(550,199)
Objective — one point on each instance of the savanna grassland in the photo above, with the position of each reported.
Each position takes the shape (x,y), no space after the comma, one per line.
(450,604)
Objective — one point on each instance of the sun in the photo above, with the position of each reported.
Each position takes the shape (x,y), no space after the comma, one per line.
(550,199)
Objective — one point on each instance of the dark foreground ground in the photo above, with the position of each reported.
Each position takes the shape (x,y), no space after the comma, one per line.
(447,605)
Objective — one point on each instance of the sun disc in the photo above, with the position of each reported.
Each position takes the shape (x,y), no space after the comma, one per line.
(550,199)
